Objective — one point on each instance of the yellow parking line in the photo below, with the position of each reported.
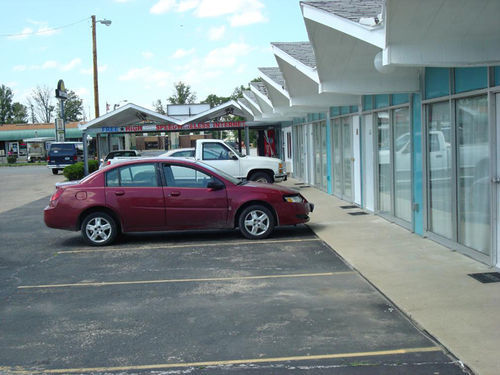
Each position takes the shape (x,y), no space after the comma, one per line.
(141,248)
(224,363)
(107,283)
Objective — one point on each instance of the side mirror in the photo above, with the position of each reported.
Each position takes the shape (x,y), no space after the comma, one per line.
(215,185)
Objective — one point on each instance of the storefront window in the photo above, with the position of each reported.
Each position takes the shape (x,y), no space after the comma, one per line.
(473,173)
(440,169)
(402,164)
(384,162)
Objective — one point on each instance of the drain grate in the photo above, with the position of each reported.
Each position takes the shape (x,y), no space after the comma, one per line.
(357,213)
(305,186)
(300,183)
(486,277)
(348,207)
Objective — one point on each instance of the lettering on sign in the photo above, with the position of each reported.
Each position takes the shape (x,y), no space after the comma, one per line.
(174,127)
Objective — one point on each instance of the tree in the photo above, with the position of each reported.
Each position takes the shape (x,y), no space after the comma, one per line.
(182,94)
(73,108)
(6,96)
(158,106)
(19,113)
(215,100)
(41,99)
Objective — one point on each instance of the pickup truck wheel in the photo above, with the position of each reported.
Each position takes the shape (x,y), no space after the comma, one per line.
(99,229)
(261,177)
(256,222)
(54,171)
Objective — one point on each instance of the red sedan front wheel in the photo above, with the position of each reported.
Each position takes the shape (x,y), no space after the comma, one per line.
(256,222)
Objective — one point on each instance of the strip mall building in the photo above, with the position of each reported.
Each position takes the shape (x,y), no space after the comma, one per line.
(395,106)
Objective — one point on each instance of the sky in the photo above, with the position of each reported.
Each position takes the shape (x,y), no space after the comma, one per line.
(212,45)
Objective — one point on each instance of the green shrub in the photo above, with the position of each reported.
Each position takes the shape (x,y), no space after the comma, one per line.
(11,159)
(75,171)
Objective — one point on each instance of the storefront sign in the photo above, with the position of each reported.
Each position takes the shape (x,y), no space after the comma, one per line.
(173,127)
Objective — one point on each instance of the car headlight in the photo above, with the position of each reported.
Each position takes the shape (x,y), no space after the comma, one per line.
(293,199)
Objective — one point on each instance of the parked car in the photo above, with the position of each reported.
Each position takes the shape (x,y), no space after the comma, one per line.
(159,194)
(62,154)
(126,154)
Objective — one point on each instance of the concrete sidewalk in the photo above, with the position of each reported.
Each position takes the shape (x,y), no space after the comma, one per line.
(429,282)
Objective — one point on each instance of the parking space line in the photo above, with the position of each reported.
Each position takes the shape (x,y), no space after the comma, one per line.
(142,248)
(17,370)
(201,280)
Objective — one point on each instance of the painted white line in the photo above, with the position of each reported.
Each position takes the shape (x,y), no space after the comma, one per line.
(151,247)
(167,281)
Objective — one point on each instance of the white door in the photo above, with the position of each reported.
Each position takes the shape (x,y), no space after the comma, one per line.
(368,167)
(356,154)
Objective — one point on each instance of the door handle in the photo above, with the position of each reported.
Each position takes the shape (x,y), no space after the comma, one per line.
(439,156)
(175,193)
(119,192)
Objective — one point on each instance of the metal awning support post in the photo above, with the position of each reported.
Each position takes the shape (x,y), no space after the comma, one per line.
(247,140)
(85,154)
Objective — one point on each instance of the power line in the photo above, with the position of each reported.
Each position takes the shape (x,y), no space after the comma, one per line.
(45,31)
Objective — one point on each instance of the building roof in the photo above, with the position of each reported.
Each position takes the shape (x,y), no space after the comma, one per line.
(249,95)
(301,51)
(274,74)
(261,87)
(33,127)
(352,10)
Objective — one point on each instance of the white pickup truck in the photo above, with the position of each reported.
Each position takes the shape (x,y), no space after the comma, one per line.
(220,155)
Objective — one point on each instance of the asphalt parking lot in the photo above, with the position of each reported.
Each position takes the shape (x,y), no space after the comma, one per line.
(195,303)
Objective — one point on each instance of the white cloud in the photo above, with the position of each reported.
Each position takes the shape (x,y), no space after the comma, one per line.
(25,33)
(247,18)
(163,6)
(147,55)
(180,53)
(216,33)
(147,75)
(50,64)
(71,65)
(239,12)
(41,29)
(82,92)
(227,56)
(89,71)
(19,68)
(186,5)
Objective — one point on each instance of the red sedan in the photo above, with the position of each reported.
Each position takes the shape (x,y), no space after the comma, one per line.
(160,194)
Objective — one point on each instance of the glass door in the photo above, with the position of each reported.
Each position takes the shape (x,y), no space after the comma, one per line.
(473,171)
(347,157)
(384,192)
(337,157)
(402,163)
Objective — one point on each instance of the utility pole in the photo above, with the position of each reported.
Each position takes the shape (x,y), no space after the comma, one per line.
(94,55)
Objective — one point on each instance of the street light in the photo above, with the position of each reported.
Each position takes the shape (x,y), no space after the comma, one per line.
(94,53)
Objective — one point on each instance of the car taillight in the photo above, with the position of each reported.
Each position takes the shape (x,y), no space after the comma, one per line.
(108,162)
(55,197)
(75,158)
(48,159)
